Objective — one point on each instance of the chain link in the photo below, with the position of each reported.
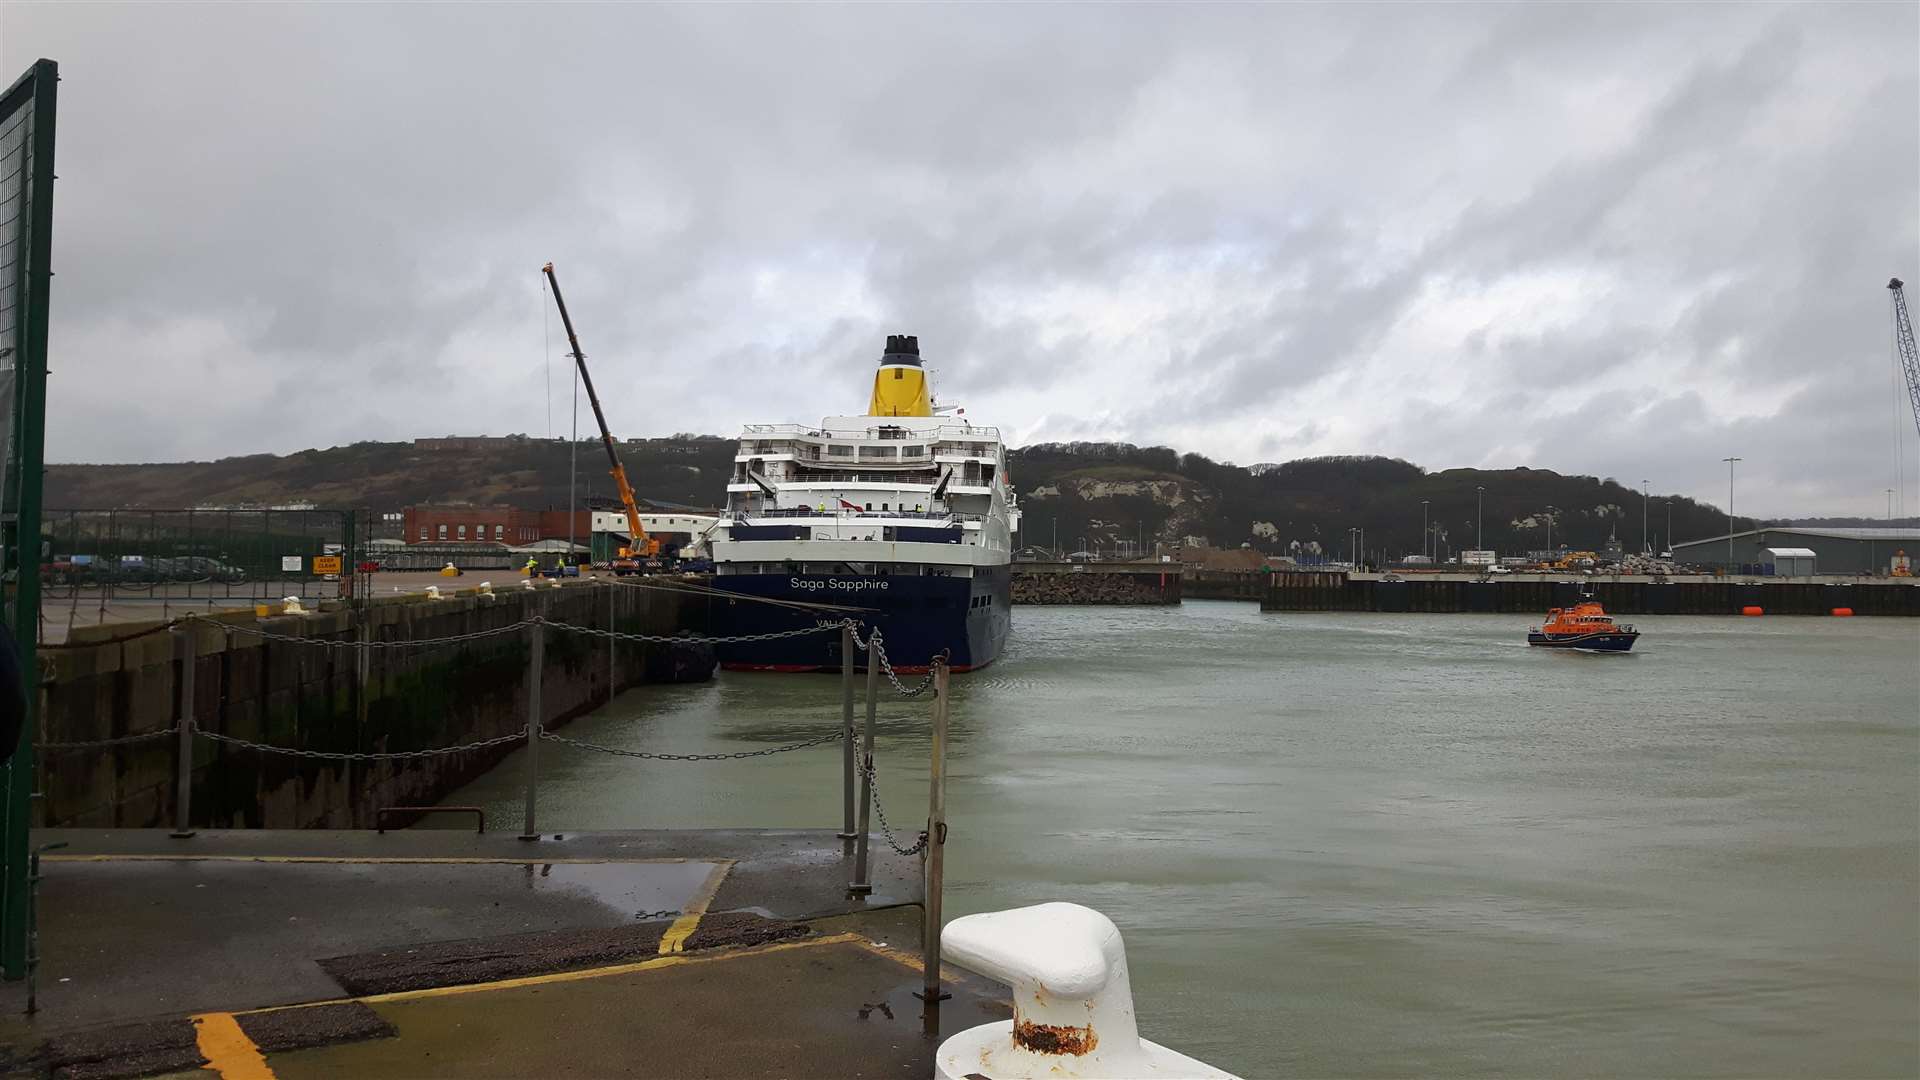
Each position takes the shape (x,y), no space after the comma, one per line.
(651,756)
(122,740)
(878,643)
(880,812)
(392,755)
(886,668)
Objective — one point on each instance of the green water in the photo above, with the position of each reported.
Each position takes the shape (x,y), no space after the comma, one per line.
(1387,845)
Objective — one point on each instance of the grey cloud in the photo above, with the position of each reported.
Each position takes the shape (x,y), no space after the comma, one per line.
(1212,226)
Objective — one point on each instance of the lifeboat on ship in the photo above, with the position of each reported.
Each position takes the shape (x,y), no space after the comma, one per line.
(1585,625)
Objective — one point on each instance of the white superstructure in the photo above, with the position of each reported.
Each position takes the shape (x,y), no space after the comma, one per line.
(925,490)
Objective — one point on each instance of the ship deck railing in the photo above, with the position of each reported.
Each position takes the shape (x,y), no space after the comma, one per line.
(810,512)
(872,431)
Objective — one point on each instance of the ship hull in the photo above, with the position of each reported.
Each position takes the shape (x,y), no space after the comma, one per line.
(1607,642)
(969,618)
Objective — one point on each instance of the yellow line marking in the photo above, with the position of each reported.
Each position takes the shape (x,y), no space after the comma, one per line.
(229,1053)
(649,964)
(913,961)
(402,859)
(675,939)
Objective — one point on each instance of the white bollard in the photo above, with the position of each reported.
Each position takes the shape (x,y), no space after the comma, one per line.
(290,605)
(1072,1004)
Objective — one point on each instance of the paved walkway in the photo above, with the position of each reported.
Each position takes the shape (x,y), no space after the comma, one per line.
(255,954)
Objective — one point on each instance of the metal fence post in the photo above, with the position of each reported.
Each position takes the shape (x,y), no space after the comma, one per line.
(862,882)
(536,673)
(846,729)
(613,666)
(936,839)
(184,650)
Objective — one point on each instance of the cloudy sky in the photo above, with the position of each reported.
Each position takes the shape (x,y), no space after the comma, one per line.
(1627,240)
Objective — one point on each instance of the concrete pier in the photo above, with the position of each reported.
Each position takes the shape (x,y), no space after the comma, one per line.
(1096,583)
(319,953)
(431,679)
(1621,595)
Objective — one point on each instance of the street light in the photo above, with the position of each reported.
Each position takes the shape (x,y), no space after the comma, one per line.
(1730,463)
(1424,535)
(1479,496)
(1644,503)
(1551,510)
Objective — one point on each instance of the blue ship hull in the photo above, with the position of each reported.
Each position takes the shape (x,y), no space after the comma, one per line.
(1607,642)
(918,616)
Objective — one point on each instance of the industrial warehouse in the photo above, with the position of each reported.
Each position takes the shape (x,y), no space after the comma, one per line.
(1797,551)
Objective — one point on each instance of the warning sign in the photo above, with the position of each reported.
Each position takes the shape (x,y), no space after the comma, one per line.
(326,564)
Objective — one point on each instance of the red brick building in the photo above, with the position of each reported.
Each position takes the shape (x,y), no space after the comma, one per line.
(491,524)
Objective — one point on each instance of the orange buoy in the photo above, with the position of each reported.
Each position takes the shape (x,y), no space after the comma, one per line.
(1843,612)
(1751,610)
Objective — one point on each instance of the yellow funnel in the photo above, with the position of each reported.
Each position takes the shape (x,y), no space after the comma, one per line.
(900,386)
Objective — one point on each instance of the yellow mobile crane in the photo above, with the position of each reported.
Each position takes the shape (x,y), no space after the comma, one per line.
(643,546)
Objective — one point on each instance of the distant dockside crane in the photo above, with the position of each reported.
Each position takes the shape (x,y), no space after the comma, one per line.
(1909,355)
(643,546)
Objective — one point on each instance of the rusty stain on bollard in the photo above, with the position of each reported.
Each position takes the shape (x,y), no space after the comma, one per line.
(1054,1038)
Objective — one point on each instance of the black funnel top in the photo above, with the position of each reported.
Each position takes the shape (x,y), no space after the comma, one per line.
(902,349)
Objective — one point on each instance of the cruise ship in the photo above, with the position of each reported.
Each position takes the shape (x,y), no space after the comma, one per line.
(904,517)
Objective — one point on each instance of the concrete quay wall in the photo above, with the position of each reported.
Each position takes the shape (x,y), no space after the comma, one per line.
(1533,596)
(114,681)
(1095,583)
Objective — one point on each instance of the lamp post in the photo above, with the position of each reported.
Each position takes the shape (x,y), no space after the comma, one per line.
(1730,464)
(1424,537)
(1889,506)
(1644,503)
(1550,512)
(1479,496)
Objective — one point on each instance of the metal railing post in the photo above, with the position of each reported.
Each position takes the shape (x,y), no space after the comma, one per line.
(846,730)
(936,839)
(183,648)
(862,882)
(536,673)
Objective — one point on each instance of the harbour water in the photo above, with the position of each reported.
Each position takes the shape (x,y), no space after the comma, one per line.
(1388,845)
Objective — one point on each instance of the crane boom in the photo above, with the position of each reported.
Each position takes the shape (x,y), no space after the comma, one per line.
(642,544)
(1909,355)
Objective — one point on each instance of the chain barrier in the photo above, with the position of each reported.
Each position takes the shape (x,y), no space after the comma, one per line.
(348,643)
(878,643)
(880,813)
(91,744)
(668,639)
(648,755)
(647,639)
(886,668)
(334,755)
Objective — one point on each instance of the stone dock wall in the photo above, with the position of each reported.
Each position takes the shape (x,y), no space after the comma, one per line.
(124,679)
(1095,583)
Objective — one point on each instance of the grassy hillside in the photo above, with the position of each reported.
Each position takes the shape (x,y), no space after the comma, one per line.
(1316,500)
(388,476)
(1105,492)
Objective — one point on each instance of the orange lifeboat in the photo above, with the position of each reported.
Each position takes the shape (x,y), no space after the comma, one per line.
(1585,625)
